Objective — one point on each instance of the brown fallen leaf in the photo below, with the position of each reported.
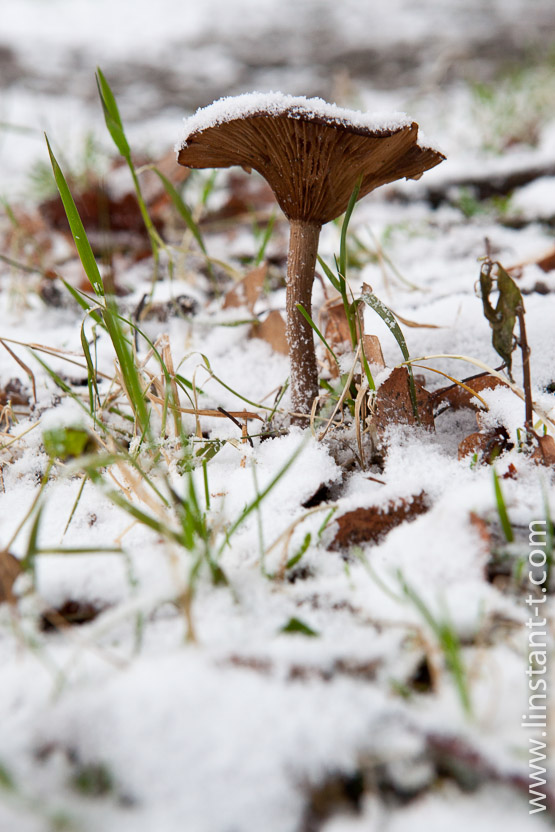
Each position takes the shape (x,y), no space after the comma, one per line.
(393,404)
(373,350)
(336,327)
(248,290)
(511,473)
(483,529)
(70,612)
(544,453)
(547,261)
(370,525)
(272,330)
(10,569)
(488,445)
(99,211)
(457,397)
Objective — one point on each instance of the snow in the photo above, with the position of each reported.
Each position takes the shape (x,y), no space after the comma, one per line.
(235,730)
(276,104)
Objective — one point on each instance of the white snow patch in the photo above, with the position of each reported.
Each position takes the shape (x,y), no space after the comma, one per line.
(274,104)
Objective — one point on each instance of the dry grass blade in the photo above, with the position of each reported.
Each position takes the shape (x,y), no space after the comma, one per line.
(455,381)
(343,395)
(218,414)
(23,366)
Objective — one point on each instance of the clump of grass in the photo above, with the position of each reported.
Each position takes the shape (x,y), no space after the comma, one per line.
(448,641)
(513,108)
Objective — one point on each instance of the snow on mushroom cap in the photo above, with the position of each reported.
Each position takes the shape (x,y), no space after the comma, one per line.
(276,104)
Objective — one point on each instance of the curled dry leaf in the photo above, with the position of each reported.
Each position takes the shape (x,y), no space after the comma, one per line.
(10,569)
(544,453)
(393,404)
(248,290)
(272,330)
(373,351)
(488,445)
(456,397)
(370,525)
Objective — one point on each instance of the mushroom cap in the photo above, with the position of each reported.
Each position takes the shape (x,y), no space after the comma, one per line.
(310,152)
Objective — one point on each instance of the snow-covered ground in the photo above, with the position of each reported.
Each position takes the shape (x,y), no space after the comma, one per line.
(173,711)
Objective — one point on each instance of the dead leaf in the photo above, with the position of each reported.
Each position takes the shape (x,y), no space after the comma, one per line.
(70,612)
(248,290)
(488,445)
(511,473)
(373,350)
(502,319)
(10,569)
(544,454)
(273,331)
(393,404)
(482,528)
(457,397)
(99,211)
(545,261)
(336,330)
(370,525)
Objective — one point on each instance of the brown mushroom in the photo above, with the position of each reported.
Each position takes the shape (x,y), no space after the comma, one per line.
(311,154)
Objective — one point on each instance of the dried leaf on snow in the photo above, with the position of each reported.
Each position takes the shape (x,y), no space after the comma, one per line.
(373,350)
(272,330)
(248,290)
(393,404)
(487,445)
(457,397)
(544,454)
(370,525)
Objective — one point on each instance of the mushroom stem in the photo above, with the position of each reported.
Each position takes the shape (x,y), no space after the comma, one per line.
(301,265)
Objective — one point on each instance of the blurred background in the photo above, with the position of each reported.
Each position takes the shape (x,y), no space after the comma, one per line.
(437,59)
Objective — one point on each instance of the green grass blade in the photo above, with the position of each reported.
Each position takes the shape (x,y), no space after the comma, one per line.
(345,226)
(83,302)
(366,367)
(502,509)
(261,496)
(307,317)
(265,240)
(111,115)
(330,275)
(387,316)
(130,374)
(77,229)
(182,209)
(91,380)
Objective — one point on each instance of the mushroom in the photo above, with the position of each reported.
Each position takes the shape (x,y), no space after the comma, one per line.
(312,154)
